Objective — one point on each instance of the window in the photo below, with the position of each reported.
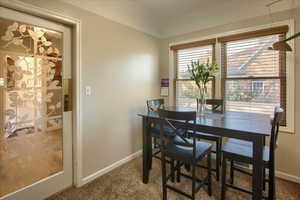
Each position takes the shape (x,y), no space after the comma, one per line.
(254,78)
(257,87)
(186,90)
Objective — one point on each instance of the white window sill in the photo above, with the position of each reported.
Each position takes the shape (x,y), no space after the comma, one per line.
(286,129)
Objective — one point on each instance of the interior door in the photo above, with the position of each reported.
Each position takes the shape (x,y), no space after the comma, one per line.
(35,121)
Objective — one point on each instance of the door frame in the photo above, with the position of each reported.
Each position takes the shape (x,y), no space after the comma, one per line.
(75,24)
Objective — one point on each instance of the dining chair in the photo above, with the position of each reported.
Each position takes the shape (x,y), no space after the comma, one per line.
(236,152)
(217,105)
(152,106)
(155,104)
(233,166)
(183,150)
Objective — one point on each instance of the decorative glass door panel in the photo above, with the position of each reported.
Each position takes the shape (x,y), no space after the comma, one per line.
(31,104)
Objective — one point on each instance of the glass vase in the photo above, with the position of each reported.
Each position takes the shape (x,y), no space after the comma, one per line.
(201,102)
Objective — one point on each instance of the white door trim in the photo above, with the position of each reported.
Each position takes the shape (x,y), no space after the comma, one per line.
(77,65)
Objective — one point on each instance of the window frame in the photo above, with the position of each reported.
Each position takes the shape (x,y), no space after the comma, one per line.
(187,46)
(290,62)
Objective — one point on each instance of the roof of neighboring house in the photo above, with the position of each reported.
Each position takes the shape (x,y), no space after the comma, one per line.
(251,57)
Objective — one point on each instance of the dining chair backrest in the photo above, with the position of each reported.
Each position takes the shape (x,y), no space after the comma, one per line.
(216,104)
(278,113)
(155,104)
(169,118)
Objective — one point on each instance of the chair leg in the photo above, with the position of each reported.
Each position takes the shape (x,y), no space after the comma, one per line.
(209,174)
(187,167)
(231,172)
(172,170)
(164,179)
(178,171)
(272,189)
(193,180)
(223,189)
(264,175)
(218,160)
(221,144)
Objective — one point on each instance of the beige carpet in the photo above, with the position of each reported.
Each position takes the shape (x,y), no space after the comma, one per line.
(126,183)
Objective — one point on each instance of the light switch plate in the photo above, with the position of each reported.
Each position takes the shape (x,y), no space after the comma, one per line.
(88,91)
(2,81)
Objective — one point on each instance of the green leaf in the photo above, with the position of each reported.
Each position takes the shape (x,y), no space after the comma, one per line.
(201,72)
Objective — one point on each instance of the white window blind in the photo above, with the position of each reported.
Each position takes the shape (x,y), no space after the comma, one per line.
(186,90)
(254,77)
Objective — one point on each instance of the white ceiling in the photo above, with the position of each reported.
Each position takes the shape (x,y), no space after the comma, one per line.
(171,8)
(164,18)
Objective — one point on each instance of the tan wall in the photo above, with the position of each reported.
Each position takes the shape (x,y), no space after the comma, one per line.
(121,65)
(288,154)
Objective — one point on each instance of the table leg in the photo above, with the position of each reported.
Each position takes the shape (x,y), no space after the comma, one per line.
(145,151)
(149,145)
(257,182)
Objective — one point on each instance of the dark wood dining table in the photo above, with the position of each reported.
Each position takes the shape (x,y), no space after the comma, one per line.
(251,127)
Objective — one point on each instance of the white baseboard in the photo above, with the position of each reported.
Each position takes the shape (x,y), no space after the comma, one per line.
(109,168)
(287,177)
(279,174)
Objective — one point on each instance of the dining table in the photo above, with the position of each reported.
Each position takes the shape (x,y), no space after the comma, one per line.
(246,126)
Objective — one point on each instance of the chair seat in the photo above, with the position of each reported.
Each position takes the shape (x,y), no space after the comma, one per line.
(243,152)
(186,153)
(208,136)
(240,142)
